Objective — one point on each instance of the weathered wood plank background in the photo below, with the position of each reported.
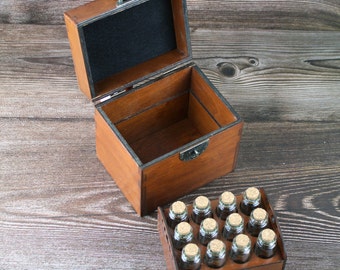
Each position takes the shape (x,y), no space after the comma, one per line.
(278,64)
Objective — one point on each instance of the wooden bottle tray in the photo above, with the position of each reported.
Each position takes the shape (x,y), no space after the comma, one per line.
(172,255)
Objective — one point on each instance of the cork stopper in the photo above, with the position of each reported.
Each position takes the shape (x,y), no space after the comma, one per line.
(252,194)
(184,228)
(235,220)
(242,241)
(216,246)
(178,208)
(268,235)
(209,224)
(259,214)
(202,202)
(227,198)
(191,250)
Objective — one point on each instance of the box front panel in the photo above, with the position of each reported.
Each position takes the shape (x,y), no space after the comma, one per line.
(118,162)
(171,178)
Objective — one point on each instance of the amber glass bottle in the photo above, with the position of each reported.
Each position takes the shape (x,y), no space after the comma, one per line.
(258,221)
(251,200)
(183,234)
(215,256)
(240,248)
(226,205)
(234,225)
(201,209)
(208,231)
(178,212)
(266,244)
(190,257)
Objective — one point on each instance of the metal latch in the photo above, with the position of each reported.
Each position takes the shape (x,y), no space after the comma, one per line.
(194,151)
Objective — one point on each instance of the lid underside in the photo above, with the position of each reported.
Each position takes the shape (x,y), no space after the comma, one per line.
(132,42)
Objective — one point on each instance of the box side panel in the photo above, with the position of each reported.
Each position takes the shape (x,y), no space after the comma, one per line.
(201,117)
(213,101)
(171,177)
(77,55)
(118,162)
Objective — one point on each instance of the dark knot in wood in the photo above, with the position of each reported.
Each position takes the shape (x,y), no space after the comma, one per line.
(228,69)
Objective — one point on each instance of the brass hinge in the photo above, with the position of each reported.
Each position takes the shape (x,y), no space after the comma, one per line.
(108,97)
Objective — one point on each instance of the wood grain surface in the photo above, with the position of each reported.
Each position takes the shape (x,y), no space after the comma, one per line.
(59,208)
(233,14)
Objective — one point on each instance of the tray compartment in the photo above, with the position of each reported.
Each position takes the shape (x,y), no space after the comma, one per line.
(172,255)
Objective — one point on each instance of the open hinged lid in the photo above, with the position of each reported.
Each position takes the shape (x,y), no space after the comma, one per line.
(115,46)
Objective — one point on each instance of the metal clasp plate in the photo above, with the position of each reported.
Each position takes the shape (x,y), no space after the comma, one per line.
(194,151)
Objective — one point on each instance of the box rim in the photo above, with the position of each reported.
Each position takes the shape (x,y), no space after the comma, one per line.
(188,145)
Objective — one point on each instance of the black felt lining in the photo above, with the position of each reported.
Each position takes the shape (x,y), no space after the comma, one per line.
(123,40)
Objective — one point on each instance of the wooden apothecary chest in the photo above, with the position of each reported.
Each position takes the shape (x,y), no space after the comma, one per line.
(162,128)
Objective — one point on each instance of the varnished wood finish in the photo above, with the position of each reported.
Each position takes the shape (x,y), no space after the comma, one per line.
(172,85)
(172,255)
(165,140)
(217,108)
(201,117)
(90,10)
(125,78)
(77,17)
(60,209)
(77,56)
(171,114)
(118,162)
(171,178)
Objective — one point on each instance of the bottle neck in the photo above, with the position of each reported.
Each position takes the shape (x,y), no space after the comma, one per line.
(241,249)
(205,232)
(178,211)
(241,244)
(234,222)
(258,217)
(253,203)
(187,236)
(178,216)
(201,206)
(252,196)
(216,249)
(236,229)
(267,239)
(258,223)
(222,206)
(209,227)
(191,254)
(202,211)
(266,245)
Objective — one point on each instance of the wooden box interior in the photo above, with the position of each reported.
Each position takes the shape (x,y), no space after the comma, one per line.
(172,255)
(169,113)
